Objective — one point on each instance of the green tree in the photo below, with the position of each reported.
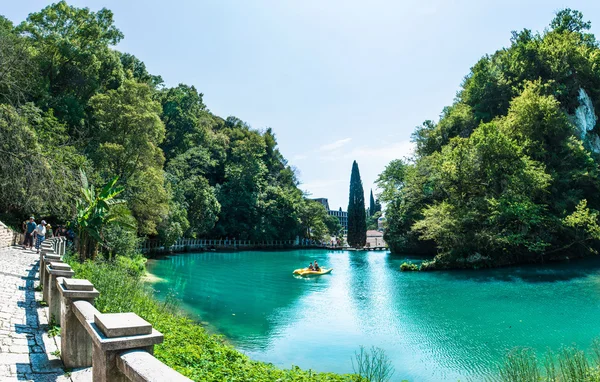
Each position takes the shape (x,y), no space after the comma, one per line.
(502,175)
(19,77)
(37,174)
(95,211)
(568,20)
(74,57)
(126,144)
(371,205)
(313,216)
(334,227)
(357,227)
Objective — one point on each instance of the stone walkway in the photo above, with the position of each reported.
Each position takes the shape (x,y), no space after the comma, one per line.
(26,351)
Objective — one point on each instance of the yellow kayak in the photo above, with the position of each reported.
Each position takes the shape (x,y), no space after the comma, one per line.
(307,272)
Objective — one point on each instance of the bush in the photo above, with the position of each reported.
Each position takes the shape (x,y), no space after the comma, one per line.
(409,267)
(121,240)
(135,266)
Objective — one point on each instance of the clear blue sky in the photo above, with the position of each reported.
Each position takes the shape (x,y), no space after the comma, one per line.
(336,80)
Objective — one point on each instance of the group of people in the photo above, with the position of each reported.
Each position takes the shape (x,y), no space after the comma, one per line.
(314,267)
(33,231)
(37,233)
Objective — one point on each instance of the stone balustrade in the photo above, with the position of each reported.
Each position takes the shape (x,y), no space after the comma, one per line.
(8,237)
(118,346)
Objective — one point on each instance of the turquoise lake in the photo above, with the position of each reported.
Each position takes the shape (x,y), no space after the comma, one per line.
(434,326)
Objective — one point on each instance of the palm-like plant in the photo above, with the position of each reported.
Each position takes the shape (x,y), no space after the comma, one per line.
(94,212)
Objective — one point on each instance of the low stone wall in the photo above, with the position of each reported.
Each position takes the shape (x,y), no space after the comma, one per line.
(8,237)
(118,346)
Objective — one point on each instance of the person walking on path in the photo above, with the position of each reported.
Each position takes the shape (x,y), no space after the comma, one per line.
(40,235)
(29,229)
(49,231)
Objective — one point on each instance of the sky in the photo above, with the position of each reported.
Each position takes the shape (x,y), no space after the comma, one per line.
(337,80)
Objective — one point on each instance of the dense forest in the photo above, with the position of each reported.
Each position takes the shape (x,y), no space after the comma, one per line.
(71,104)
(509,173)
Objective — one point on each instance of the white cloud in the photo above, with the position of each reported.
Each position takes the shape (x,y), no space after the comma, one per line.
(299,157)
(335,145)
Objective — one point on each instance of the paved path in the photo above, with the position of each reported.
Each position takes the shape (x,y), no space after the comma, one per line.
(25,348)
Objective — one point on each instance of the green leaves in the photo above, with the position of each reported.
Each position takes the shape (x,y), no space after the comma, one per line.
(504,172)
(96,211)
(357,224)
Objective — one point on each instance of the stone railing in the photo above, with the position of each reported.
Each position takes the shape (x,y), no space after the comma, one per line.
(118,346)
(8,237)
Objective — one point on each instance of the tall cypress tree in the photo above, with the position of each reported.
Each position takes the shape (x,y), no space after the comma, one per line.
(357,224)
(372,207)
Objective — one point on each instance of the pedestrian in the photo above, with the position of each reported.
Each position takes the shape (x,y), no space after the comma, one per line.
(29,228)
(49,231)
(40,235)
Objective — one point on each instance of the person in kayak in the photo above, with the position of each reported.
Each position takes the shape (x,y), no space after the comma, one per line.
(316,267)
(310,267)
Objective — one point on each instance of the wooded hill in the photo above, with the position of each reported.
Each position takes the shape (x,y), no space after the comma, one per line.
(70,101)
(509,173)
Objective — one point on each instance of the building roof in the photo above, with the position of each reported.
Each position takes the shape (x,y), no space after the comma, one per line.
(373,233)
(323,201)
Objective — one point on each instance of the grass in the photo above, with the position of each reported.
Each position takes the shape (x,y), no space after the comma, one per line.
(187,348)
(570,364)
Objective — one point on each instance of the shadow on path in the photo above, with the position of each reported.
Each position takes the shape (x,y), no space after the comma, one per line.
(40,367)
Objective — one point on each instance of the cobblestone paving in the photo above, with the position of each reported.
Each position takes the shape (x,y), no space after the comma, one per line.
(25,348)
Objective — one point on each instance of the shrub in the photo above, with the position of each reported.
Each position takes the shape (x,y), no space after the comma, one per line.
(409,267)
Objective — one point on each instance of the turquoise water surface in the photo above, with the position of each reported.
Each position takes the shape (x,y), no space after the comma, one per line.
(434,326)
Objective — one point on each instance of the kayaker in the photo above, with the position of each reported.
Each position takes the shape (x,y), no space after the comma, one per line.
(317,268)
(310,267)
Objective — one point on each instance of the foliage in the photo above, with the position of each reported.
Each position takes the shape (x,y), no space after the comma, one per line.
(126,145)
(508,172)
(409,267)
(33,175)
(96,211)
(68,100)
(357,224)
(187,347)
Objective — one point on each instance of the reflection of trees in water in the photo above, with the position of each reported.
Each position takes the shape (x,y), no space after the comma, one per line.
(371,291)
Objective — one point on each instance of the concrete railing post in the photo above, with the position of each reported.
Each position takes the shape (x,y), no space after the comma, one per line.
(111,334)
(44,250)
(47,259)
(55,270)
(76,343)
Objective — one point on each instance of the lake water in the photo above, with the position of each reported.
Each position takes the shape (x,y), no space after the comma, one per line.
(434,326)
